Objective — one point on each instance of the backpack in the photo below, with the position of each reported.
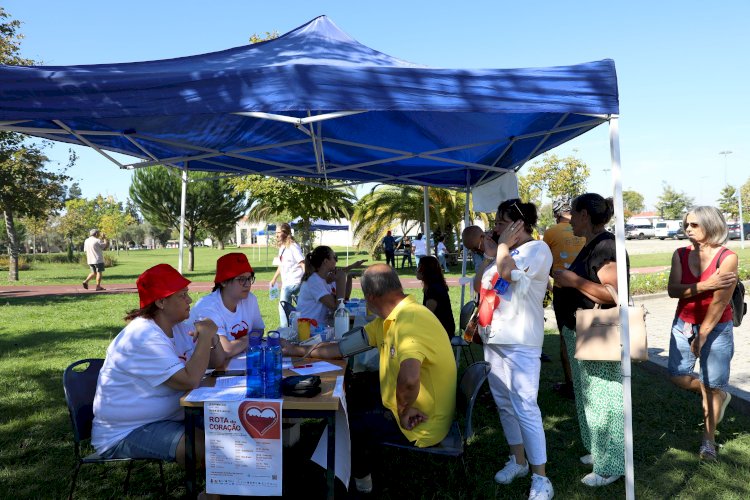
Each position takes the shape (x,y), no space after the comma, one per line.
(739,308)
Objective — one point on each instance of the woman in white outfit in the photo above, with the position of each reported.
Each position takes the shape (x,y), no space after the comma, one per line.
(291,268)
(512,281)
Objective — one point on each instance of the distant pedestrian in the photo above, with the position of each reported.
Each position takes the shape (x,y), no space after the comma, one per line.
(94,248)
(389,246)
(442,251)
(291,269)
(406,246)
(419,247)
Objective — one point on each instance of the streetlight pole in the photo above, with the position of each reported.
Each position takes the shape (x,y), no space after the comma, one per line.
(742,226)
(725,153)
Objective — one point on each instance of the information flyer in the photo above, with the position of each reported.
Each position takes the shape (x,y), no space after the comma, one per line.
(243,447)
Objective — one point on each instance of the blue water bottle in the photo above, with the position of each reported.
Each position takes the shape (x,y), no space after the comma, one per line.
(501,286)
(272,362)
(254,367)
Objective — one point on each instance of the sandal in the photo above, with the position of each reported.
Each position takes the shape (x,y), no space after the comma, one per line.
(707,451)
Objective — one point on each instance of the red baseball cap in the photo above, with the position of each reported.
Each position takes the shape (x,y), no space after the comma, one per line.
(231,265)
(159,282)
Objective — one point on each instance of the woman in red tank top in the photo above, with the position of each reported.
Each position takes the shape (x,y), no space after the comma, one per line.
(703,277)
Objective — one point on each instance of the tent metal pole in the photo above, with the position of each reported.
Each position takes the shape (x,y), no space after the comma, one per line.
(427,235)
(464,250)
(622,291)
(183,200)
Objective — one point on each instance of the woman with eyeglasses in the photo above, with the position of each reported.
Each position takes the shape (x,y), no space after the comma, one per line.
(511,282)
(597,384)
(231,305)
(703,277)
(323,284)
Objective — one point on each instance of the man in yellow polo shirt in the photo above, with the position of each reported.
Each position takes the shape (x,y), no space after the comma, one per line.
(417,374)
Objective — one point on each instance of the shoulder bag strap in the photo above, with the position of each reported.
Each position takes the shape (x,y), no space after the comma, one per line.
(721,254)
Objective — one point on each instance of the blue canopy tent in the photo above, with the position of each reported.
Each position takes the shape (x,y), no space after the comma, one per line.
(315,103)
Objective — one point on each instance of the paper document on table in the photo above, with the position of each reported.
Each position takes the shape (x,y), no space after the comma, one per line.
(286,363)
(343,442)
(237,363)
(230,381)
(234,393)
(316,367)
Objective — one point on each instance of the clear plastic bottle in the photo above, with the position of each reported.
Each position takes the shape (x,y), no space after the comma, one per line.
(293,317)
(272,362)
(254,367)
(273,292)
(341,320)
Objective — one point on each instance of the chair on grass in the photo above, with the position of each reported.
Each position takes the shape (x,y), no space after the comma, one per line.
(288,308)
(457,341)
(79,383)
(454,444)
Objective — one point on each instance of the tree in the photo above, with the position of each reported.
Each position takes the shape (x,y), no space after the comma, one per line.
(310,199)
(672,204)
(728,202)
(632,202)
(156,191)
(556,176)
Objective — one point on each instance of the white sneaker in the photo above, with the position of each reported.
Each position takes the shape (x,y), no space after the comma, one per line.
(364,485)
(594,480)
(541,488)
(512,470)
(587,460)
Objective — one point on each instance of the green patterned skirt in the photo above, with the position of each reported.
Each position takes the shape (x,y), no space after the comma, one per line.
(599,404)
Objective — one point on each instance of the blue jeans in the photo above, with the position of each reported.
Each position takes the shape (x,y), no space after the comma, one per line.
(286,294)
(443,263)
(157,440)
(715,356)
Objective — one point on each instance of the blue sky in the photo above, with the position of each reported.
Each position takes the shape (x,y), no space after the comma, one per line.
(682,66)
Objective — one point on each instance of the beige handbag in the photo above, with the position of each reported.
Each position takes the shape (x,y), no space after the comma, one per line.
(598,333)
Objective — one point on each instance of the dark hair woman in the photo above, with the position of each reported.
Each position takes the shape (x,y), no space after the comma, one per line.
(436,297)
(597,384)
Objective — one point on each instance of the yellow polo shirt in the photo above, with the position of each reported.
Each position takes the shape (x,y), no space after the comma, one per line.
(411,331)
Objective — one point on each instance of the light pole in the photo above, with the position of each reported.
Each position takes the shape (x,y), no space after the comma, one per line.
(726,153)
(742,226)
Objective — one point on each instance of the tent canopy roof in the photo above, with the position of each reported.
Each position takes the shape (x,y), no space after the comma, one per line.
(313,103)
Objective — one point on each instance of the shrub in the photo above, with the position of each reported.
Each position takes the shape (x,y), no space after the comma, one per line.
(63,258)
(23,263)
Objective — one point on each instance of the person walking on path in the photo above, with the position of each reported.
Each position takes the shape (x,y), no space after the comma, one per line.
(406,245)
(291,269)
(389,247)
(703,277)
(94,248)
(419,247)
(564,246)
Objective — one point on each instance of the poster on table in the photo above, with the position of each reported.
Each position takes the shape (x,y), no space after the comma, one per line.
(243,447)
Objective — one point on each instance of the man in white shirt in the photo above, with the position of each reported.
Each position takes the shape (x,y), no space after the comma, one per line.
(419,247)
(94,248)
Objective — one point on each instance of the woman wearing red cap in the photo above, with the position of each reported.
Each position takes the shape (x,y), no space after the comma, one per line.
(149,366)
(231,305)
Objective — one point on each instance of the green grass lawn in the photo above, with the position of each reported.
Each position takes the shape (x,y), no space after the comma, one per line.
(40,336)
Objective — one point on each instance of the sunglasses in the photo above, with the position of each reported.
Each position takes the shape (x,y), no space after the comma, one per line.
(691,224)
(245,280)
(335,258)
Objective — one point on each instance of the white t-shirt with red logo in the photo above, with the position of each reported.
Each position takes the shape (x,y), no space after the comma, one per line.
(131,391)
(232,325)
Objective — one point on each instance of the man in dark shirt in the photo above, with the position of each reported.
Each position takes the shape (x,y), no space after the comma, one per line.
(389,245)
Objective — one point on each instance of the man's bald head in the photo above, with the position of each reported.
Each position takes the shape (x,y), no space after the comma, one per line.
(471,236)
(379,280)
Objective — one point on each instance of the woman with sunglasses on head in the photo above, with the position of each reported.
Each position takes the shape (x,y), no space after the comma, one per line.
(597,384)
(149,366)
(231,305)
(703,277)
(511,282)
(323,284)
(291,268)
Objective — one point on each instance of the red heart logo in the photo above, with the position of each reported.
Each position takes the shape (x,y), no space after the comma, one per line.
(260,419)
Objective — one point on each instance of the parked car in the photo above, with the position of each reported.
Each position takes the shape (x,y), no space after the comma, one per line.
(667,228)
(734,231)
(639,231)
(680,234)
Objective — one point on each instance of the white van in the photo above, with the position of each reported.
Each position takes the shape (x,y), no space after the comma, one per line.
(667,228)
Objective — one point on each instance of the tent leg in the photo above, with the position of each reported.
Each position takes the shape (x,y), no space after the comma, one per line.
(183,200)
(427,235)
(622,291)
(464,251)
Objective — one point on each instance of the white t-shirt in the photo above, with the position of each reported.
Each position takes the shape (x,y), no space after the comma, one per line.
(308,300)
(232,325)
(289,260)
(519,318)
(131,392)
(420,247)
(441,248)
(93,249)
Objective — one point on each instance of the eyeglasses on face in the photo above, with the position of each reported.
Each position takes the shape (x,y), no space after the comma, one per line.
(245,280)
(335,257)
(691,224)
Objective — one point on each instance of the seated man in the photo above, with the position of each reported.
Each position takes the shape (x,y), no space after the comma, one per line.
(417,373)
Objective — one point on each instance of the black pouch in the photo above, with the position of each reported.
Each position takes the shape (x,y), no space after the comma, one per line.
(301,386)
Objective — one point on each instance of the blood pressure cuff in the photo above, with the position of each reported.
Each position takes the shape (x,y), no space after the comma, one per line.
(301,386)
(353,342)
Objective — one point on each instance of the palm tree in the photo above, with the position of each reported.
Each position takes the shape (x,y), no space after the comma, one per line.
(401,207)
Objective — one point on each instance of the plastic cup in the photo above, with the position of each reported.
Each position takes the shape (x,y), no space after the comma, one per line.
(303,330)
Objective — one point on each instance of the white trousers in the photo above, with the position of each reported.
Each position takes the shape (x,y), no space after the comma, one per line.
(514,382)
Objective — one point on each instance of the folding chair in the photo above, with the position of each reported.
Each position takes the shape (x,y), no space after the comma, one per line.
(457,341)
(288,308)
(80,388)
(454,444)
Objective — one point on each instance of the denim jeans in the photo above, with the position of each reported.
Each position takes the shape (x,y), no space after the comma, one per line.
(287,292)
(715,356)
